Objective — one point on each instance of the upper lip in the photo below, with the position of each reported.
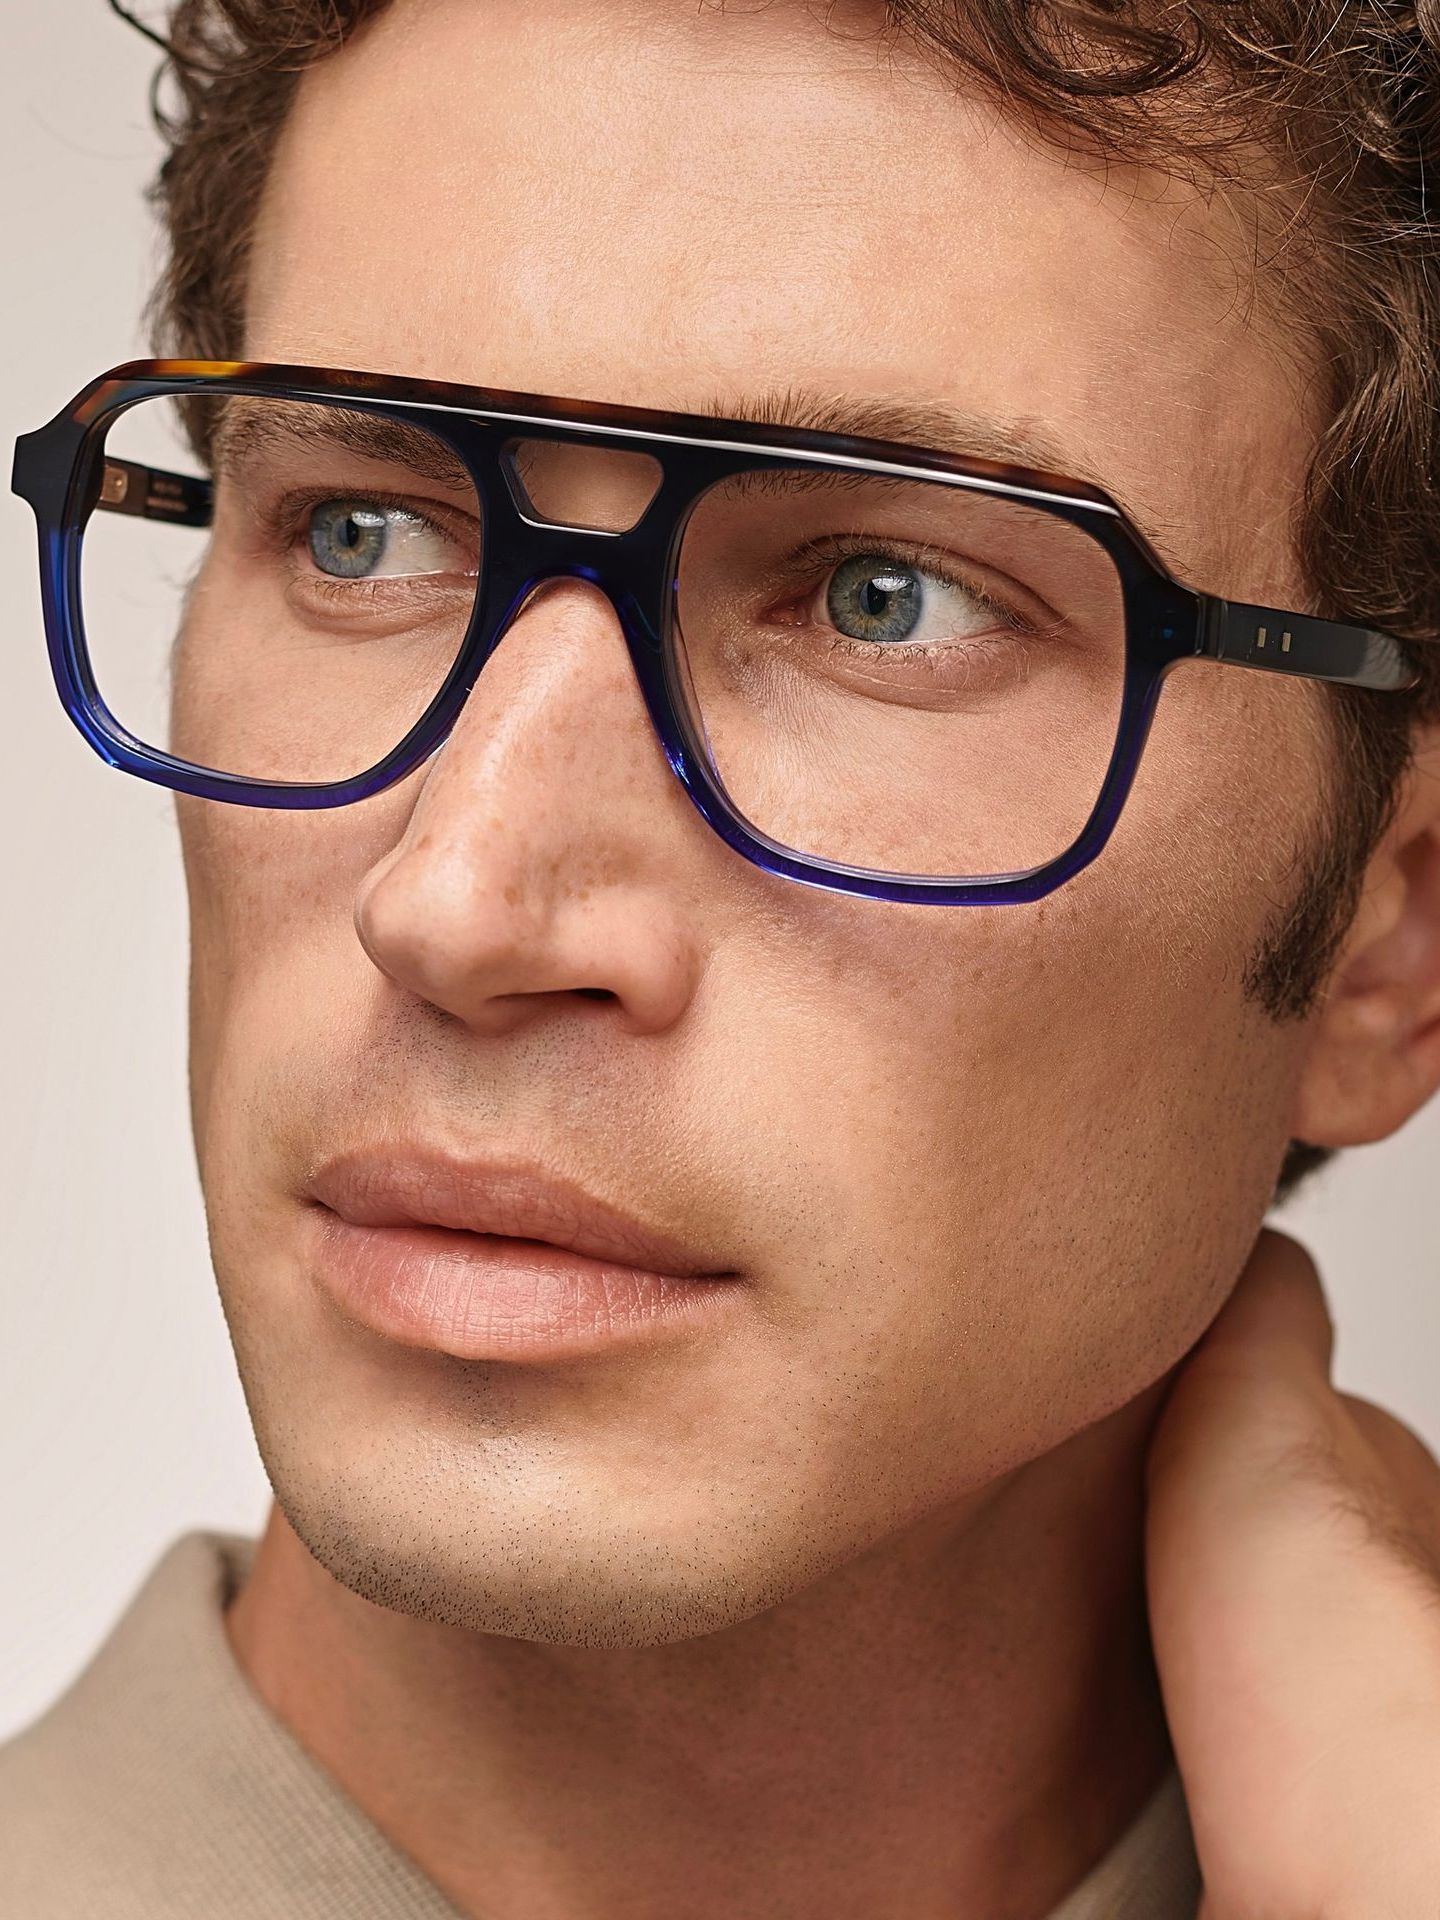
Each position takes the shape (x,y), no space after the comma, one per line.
(381,1187)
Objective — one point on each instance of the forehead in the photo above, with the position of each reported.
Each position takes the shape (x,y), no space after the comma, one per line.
(685,208)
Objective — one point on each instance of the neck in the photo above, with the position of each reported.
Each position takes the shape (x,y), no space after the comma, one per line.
(960,1722)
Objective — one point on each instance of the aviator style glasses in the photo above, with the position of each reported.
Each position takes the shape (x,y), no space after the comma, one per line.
(890,672)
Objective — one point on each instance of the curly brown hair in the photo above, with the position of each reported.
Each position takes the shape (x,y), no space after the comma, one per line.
(1325,113)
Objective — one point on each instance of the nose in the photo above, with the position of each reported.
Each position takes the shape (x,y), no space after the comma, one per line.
(551,858)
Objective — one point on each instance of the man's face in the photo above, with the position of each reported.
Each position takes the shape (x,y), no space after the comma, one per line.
(984,1173)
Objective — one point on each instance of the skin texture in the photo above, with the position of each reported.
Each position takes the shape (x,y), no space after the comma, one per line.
(856,1572)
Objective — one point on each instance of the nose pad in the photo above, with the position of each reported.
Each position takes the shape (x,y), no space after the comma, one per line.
(559,483)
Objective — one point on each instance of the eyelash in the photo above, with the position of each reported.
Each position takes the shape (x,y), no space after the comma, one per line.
(283,523)
(830,550)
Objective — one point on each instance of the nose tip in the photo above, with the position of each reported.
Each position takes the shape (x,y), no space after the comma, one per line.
(495,960)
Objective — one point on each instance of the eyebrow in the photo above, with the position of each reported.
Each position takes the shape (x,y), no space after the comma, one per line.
(249,423)
(247,429)
(938,426)
(933,425)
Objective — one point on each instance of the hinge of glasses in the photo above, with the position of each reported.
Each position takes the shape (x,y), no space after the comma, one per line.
(153,494)
(1251,635)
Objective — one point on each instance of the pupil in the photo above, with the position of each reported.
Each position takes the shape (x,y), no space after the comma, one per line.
(871,598)
(347,541)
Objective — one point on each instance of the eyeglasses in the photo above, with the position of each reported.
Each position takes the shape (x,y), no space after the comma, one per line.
(885,671)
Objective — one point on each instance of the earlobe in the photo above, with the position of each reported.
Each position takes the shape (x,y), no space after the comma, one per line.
(1374,1058)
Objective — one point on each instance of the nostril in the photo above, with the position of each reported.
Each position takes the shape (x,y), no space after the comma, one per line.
(596,993)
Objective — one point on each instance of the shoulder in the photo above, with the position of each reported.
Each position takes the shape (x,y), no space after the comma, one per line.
(94,1793)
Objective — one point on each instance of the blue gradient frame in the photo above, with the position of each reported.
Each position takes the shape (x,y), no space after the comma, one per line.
(61,470)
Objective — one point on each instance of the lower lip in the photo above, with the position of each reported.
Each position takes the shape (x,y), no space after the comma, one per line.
(482,1297)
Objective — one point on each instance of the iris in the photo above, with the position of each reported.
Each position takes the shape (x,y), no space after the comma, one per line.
(348,540)
(872,598)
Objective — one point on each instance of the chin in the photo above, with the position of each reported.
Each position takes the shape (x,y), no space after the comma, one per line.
(556,1567)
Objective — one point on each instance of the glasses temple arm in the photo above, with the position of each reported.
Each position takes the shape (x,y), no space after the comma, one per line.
(1277,642)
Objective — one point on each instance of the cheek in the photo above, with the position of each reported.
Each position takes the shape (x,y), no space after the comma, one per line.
(994,1166)
(1043,1138)
(272,939)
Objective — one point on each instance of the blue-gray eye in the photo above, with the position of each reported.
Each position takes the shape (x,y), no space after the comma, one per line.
(872,598)
(347,539)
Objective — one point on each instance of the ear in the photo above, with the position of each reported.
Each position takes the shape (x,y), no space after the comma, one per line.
(1374,1057)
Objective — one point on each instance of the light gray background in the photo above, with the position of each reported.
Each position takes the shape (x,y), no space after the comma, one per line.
(121,1418)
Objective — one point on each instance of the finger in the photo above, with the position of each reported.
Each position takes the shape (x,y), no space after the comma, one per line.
(1256,1386)
(1399,1446)
(1276,1312)
(1402,1480)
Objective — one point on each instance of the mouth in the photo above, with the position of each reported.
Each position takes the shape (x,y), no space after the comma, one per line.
(486,1260)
